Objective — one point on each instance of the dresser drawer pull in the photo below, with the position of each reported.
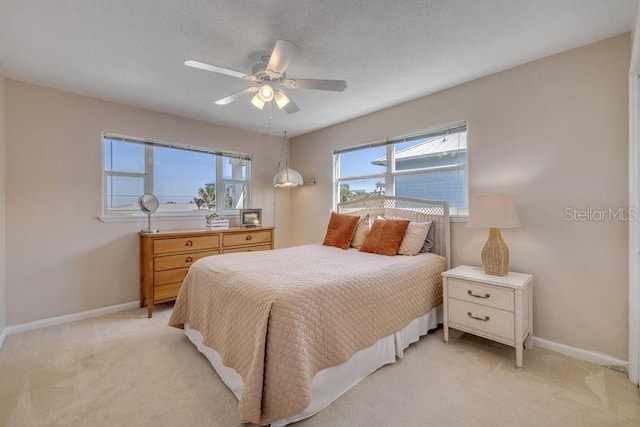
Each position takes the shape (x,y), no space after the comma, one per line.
(248,238)
(188,259)
(482,319)
(485,296)
(188,243)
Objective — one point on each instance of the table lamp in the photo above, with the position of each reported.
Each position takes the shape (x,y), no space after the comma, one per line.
(494,211)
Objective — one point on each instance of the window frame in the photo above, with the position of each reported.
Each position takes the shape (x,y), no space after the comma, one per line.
(391,173)
(126,215)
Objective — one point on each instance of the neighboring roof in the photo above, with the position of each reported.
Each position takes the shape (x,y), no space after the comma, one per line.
(429,148)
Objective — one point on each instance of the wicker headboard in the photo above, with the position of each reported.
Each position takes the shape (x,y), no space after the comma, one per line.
(411,209)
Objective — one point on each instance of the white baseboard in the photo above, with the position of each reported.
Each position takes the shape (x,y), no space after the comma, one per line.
(67,318)
(578,353)
(3,336)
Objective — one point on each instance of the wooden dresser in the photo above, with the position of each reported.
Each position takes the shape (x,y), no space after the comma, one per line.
(166,257)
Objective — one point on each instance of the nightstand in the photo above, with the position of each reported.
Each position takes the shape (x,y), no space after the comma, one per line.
(499,308)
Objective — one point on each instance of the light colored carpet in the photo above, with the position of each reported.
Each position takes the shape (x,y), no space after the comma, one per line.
(125,369)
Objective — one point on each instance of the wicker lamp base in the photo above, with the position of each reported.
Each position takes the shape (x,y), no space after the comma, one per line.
(495,254)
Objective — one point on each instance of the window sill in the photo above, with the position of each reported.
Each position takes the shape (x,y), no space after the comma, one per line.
(459,218)
(161,216)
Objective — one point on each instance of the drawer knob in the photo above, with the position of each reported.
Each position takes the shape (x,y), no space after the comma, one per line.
(485,296)
(483,319)
(248,238)
(188,259)
(188,243)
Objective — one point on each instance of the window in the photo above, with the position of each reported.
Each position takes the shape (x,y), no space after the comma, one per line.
(185,179)
(430,165)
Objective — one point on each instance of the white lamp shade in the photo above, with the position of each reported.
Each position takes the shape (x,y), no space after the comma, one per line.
(281,99)
(257,101)
(287,178)
(493,211)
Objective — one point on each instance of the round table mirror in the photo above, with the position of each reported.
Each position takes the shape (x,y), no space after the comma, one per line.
(148,204)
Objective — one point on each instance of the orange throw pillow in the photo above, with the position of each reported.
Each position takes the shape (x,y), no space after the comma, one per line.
(341,230)
(385,236)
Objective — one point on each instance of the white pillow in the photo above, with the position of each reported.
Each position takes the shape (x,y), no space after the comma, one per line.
(414,239)
(361,232)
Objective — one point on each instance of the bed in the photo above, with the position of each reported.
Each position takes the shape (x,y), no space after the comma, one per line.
(291,330)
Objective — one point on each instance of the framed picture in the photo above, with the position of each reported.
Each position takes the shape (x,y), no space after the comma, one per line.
(250,217)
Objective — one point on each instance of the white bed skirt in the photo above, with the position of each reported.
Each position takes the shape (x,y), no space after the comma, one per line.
(331,383)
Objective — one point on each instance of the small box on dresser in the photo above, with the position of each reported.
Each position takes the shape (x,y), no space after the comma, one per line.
(499,308)
(165,257)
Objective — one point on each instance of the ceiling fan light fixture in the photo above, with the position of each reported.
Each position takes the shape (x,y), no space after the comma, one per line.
(266,93)
(268,78)
(281,99)
(257,101)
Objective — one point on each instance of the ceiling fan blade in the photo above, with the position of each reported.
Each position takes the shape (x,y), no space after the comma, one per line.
(283,53)
(291,107)
(229,99)
(315,84)
(208,67)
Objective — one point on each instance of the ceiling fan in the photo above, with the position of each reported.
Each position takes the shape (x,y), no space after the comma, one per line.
(269,79)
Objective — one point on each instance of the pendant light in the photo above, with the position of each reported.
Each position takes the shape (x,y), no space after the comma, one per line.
(286,177)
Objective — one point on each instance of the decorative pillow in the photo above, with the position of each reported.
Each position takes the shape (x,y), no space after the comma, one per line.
(385,236)
(340,230)
(361,232)
(415,238)
(428,242)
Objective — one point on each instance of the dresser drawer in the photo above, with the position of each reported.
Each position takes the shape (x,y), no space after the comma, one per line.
(185,244)
(166,292)
(496,322)
(179,261)
(480,294)
(246,238)
(248,249)
(166,277)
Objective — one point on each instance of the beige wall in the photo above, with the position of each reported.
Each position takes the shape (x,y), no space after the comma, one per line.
(3,270)
(554,134)
(61,258)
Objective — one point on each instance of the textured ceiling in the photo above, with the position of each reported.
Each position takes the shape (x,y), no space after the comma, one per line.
(132,51)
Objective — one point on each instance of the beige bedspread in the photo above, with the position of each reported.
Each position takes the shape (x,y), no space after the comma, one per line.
(279,317)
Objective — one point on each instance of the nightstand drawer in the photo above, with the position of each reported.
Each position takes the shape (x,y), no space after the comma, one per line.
(486,319)
(480,294)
